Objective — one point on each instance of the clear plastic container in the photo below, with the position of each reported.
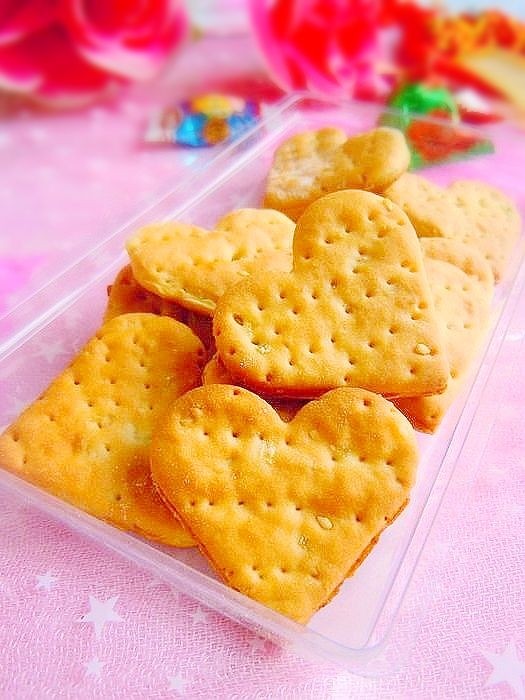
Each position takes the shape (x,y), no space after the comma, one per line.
(44,333)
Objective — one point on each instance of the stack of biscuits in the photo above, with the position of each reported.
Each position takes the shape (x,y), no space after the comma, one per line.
(254,390)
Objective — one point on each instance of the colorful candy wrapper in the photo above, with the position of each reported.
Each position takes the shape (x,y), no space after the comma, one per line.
(438,137)
(475,109)
(205,120)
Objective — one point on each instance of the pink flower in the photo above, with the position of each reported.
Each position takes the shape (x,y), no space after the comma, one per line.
(325,46)
(67,52)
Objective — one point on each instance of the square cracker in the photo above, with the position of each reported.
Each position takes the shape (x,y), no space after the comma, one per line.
(284,511)
(86,438)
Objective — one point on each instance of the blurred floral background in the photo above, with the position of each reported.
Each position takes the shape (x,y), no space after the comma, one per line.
(67,53)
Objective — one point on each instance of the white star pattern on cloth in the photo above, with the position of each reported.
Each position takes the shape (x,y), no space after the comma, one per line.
(94,667)
(46,581)
(506,668)
(100,613)
(257,644)
(63,151)
(18,405)
(46,173)
(98,164)
(512,509)
(198,616)
(51,350)
(177,683)
(72,319)
(155,582)
(39,134)
(5,591)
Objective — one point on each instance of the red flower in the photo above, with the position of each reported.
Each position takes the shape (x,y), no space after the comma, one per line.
(327,46)
(66,52)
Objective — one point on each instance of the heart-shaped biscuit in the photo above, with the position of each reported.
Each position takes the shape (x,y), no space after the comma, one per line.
(430,208)
(466,257)
(468,211)
(214,372)
(284,511)
(294,180)
(86,439)
(370,161)
(497,222)
(126,296)
(462,286)
(314,163)
(356,310)
(193,267)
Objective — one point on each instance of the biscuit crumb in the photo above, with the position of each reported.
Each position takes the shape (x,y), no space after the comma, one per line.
(422,349)
(324,522)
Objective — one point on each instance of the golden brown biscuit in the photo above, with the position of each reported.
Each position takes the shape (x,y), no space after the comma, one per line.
(462,304)
(497,222)
(314,163)
(214,372)
(430,208)
(355,311)
(284,512)
(126,296)
(87,438)
(201,325)
(193,266)
(466,257)
(370,161)
(294,180)
(468,211)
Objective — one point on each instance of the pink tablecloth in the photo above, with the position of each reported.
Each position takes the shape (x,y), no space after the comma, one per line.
(77,621)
